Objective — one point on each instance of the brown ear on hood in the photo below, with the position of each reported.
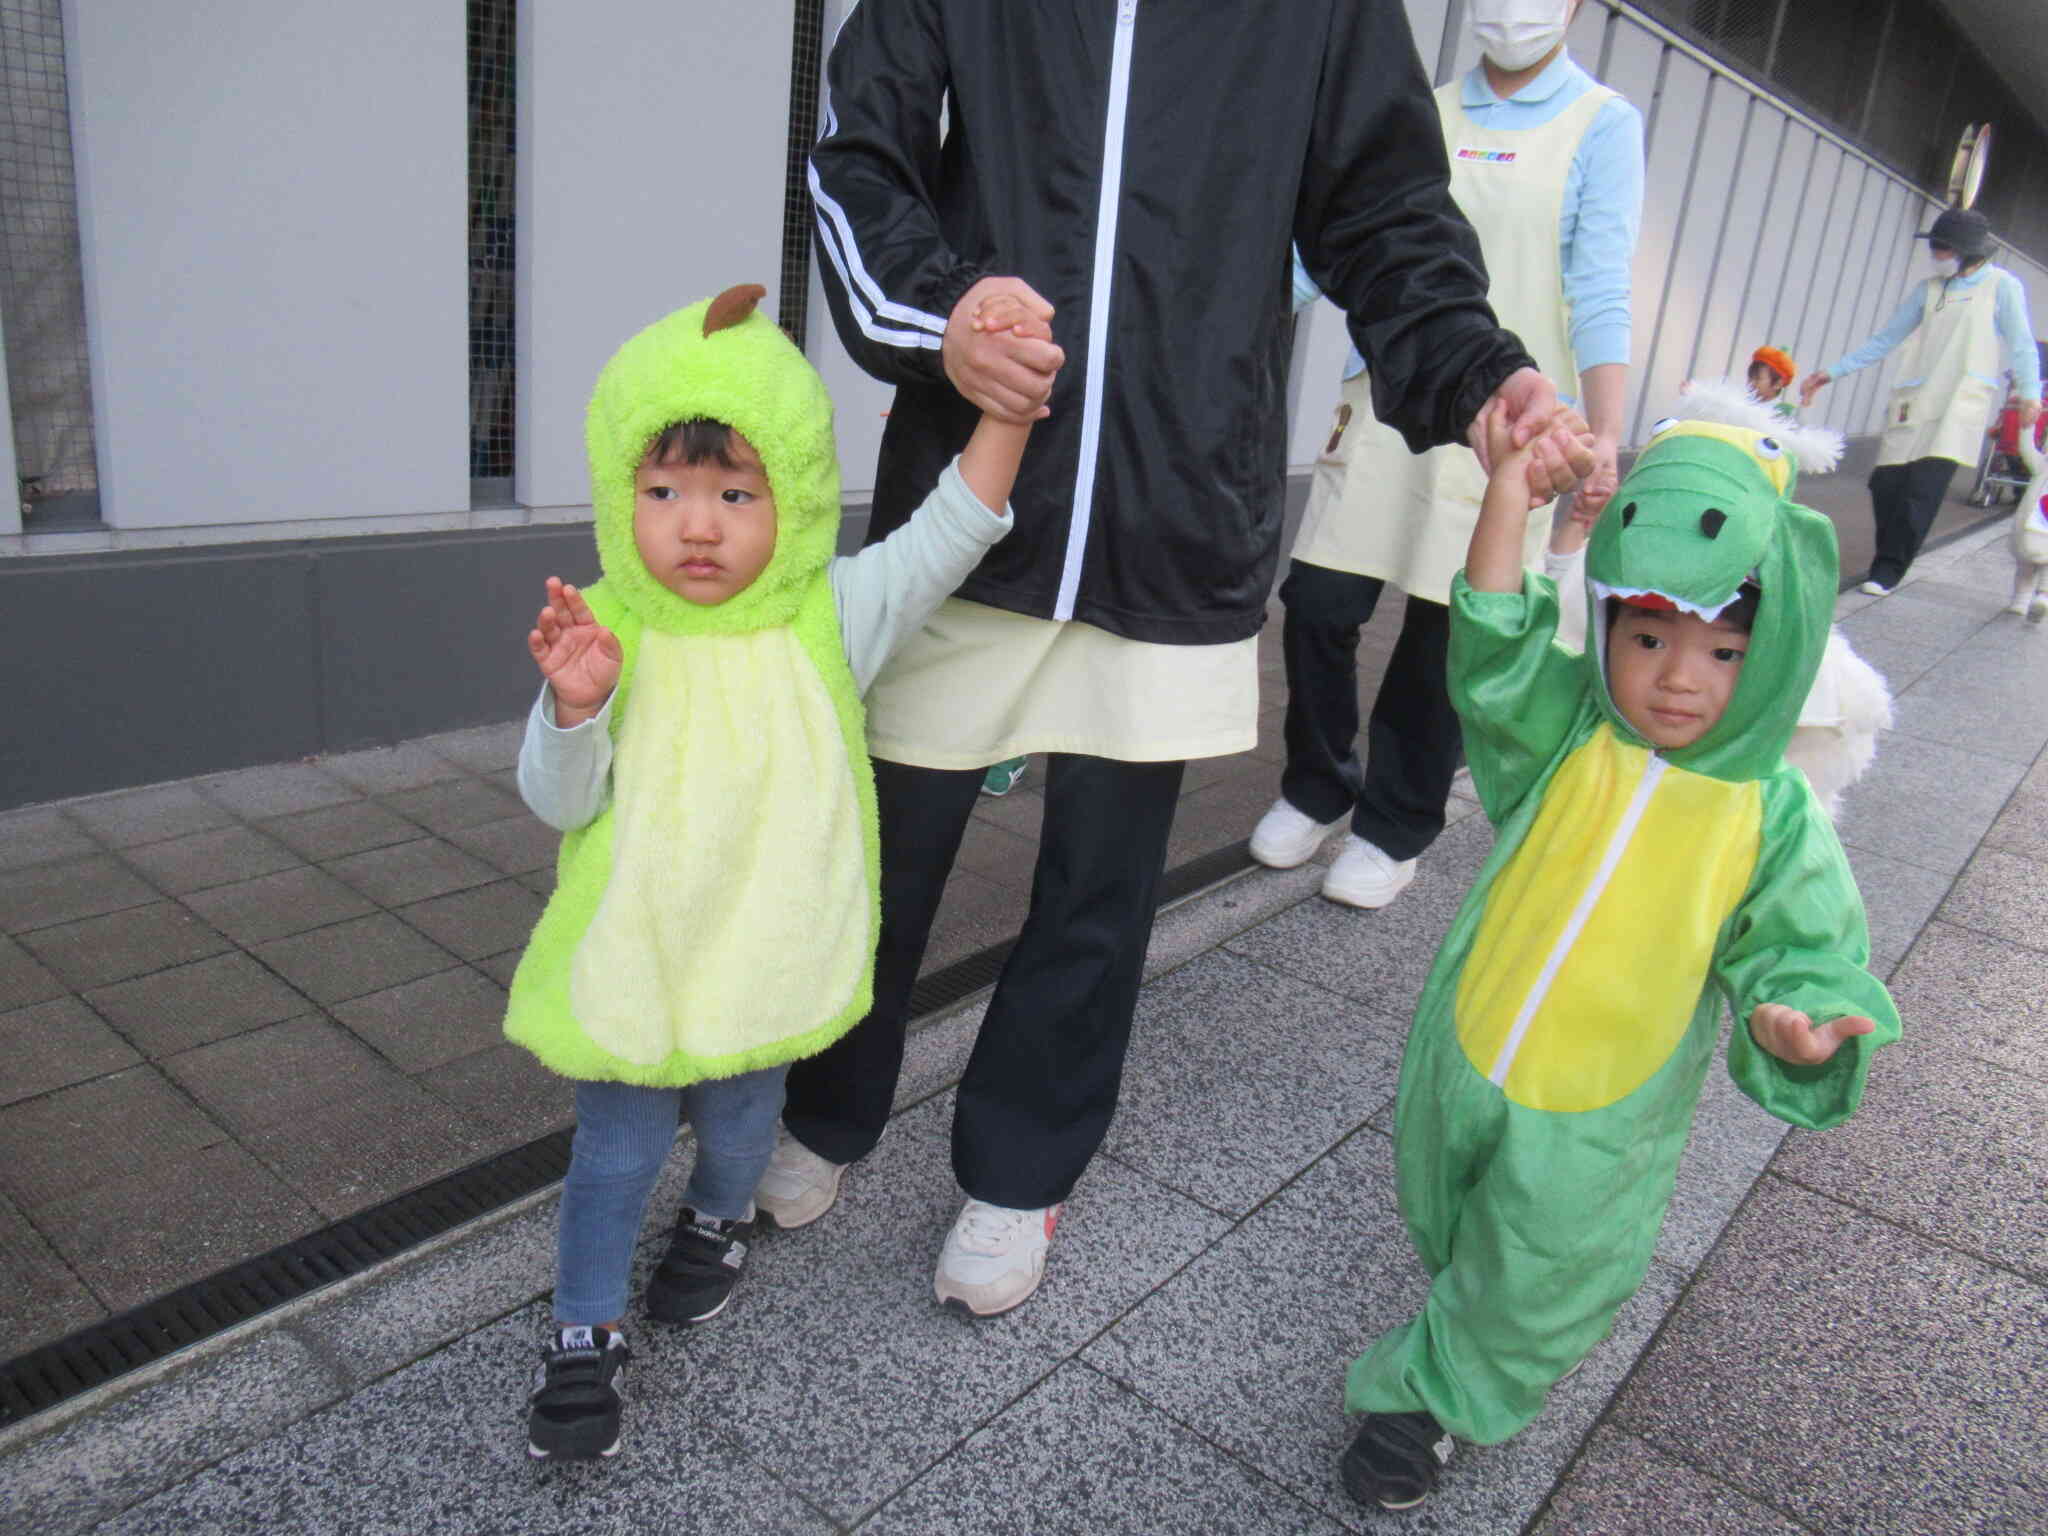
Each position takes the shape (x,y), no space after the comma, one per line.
(732,306)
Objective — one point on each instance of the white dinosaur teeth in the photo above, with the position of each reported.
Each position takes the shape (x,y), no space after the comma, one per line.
(1602,592)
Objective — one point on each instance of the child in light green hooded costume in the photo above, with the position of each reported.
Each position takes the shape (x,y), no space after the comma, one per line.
(1654,854)
(698,740)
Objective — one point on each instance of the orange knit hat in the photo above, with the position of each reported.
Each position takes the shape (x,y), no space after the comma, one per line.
(1777,361)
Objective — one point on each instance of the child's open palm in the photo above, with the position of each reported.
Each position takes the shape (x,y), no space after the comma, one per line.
(1793,1037)
(579,657)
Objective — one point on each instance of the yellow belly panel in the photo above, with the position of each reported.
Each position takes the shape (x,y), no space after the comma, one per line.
(1610,1006)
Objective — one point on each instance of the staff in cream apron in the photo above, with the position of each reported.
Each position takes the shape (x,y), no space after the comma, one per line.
(1547,164)
(1960,322)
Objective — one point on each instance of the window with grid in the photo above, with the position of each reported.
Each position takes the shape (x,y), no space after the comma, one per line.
(42,289)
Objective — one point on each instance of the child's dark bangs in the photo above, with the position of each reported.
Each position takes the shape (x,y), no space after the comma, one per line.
(692,442)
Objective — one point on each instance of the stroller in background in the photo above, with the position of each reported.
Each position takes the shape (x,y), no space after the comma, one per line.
(2001,472)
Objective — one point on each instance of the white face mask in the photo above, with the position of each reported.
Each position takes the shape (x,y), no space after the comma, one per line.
(1516,33)
(1946,266)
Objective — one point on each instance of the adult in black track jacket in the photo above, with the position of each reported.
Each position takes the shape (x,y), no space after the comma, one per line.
(1143,165)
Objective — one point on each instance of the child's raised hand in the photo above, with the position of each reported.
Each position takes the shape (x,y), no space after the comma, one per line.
(1008,312)
(1793,1037)
(578,656)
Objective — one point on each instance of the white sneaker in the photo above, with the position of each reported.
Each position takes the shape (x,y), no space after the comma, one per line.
(2037,610)
(994,1257)
(1875,589)
(1364,876)
(799,1186)
(1286,837)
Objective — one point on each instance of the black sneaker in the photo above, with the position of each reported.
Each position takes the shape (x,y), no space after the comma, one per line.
(695,1280)
(1393,1459)
(573,1414)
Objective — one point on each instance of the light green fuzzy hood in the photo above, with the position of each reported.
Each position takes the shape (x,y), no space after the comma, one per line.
(751,377)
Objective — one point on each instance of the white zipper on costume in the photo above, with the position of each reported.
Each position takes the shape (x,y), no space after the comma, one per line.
(1616,846)
(1098,305)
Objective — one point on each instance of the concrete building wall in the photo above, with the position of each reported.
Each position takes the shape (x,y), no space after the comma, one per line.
(271,200)
(651,149)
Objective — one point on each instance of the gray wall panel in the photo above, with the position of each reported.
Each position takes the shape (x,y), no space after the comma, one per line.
(131,670)
(144,668)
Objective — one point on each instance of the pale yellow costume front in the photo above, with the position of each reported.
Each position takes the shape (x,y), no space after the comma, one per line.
(1375,508)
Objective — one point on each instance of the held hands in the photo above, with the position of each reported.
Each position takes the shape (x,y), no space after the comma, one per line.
(1524,414)
(1813,384)
(1793,1037)
(1547,453)
(578,656)
(998,349)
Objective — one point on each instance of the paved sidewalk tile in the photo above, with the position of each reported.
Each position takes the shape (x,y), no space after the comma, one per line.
(1999,894)
(45,895)
(206,859)
(439,1450)
(280,1074)
(276,790)
(484,920)
(353,959)
(55,1044)
(848,1300)
(190,1005)
(78,1137)
(41,1297)
(129,817)
(1925,803)
(449,807)
(1080,1453)
(40,835)
(1977,996)
(1898,900)
(1944,1144)
(336,831)
(406,872)
(24,979)
(95,1467)
(252,912)
(98,950)
(391,1138)
(1622,1484)
(173,1220)
(429,1022)
(1248,1347)
(1854,1375)
(1239,1077)
(1379,958)
(388,770)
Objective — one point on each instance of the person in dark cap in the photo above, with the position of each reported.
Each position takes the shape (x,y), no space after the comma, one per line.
(1960,320)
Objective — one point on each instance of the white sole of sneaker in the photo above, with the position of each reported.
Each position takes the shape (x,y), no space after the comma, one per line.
(965,1308)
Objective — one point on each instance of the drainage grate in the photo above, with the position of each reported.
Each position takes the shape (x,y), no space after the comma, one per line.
(93,1356)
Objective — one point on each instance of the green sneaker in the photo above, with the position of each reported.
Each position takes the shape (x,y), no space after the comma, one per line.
(1003,778)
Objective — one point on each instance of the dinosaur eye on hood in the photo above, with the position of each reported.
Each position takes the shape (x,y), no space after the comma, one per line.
(1769,448)
(1711,521)
(1658,429)
(1628,514)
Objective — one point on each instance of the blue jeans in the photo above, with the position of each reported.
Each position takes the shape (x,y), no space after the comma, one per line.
(623,1136)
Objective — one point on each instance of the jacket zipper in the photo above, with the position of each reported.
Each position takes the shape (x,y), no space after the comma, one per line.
(1098,306)
(1617,845)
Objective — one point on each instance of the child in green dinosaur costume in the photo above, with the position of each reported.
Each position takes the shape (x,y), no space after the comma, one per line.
(699,741)
(1654,853)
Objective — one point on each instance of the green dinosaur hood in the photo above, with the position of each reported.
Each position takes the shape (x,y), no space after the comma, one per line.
(750,376)
(1707,507)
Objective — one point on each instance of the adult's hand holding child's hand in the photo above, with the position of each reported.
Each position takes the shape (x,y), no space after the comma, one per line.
(1793,1037)
(1005,368)
(578,656)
